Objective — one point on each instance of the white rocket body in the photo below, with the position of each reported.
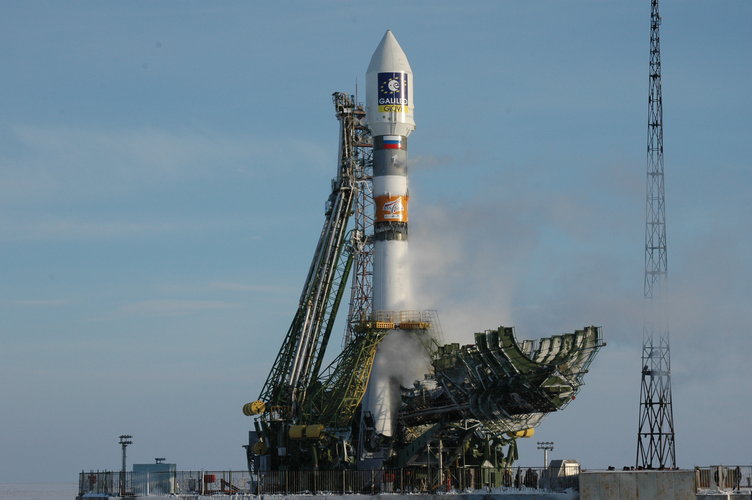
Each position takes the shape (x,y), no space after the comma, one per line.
(389,113)
(386,117)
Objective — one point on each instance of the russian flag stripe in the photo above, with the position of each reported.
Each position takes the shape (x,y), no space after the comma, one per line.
(392,142)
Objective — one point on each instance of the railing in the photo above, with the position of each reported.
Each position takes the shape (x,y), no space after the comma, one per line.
(371,482)
(724,478)
(164,483)
(405,316)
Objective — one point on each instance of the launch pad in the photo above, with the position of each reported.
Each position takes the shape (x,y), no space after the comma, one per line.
(396,396)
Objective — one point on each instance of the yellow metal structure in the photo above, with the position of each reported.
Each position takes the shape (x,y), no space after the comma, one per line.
(415,325)
(526,433)
(315,431)
(296,431)
(259,448)
(254,408)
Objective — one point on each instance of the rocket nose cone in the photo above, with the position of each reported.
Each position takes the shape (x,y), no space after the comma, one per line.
(389,56)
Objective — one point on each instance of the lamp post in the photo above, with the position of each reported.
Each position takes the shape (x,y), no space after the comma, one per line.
(546,446)
(125,440)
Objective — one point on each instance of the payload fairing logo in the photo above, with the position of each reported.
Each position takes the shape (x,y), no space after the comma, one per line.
(393,92)
(391,208)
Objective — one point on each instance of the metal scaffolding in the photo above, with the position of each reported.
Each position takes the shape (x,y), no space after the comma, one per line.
(361,240)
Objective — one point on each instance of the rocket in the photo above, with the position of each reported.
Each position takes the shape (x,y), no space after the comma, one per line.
(389,114)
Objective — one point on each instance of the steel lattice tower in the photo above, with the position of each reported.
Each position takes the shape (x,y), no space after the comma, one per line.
(655,436)
(361,238)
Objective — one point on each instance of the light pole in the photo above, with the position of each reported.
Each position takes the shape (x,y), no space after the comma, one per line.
(125,440)
(546,446)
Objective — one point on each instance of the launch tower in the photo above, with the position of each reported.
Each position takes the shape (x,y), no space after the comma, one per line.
(468,404)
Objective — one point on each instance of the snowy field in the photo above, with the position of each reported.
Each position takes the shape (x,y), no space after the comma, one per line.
(38,491)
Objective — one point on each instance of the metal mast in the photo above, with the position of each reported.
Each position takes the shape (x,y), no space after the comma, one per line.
(361,241)
(655,436)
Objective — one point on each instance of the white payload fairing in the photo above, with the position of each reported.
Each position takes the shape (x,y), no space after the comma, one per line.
(389,113)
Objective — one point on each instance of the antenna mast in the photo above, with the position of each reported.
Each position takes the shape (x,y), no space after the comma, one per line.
(655,436)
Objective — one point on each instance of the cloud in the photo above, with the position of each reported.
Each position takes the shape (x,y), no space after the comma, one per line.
(551,264)
(42,163)
(42,227)
(429,162)
(32,303)
(225,286)
(531,250)
(166,307)
(471,261)
(242,287)
(67,183)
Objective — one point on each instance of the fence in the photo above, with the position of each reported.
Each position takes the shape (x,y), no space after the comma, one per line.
(724,477)
(163,483)
(410,480)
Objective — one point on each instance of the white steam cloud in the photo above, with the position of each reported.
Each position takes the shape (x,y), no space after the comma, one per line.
(400,360)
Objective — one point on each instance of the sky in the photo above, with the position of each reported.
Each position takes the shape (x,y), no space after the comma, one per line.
(164,168)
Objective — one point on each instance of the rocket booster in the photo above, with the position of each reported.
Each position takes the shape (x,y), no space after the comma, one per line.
(389,113)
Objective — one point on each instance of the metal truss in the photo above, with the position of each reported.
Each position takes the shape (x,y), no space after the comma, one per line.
(655,435)
(361,240)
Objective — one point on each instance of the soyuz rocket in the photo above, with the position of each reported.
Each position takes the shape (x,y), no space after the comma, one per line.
(389,113)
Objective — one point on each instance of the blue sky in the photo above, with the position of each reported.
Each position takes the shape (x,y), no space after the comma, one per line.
(164,168)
